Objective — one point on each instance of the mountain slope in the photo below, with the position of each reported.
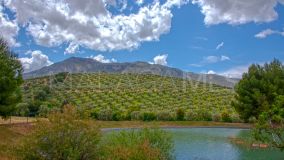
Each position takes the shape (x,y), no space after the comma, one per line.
(87,65)
(130,96)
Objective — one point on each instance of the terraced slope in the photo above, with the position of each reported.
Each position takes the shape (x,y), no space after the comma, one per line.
(132,94)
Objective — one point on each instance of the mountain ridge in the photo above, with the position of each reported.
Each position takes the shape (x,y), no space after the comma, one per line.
(88,65)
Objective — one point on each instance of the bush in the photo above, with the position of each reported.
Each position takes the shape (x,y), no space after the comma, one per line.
(105,115)
(216,117)
(164,116)
(64,136)
(135,115)
(180,114)
(236,118)
(149,116)
(191,116)
(117,116)
(226,117)
(150,144)
(43,110)
(60,77)
(204,115)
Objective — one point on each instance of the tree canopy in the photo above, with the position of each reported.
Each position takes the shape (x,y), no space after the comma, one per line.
(10,80)
(260,94)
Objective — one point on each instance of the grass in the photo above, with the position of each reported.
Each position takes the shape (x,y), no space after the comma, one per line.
(17,120)
(10,136)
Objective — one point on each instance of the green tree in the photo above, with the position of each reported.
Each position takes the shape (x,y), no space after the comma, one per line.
(23,110)
(260,95)
(10,80)
(180,114)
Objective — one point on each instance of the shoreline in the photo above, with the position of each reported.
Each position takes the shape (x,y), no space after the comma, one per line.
(18,121)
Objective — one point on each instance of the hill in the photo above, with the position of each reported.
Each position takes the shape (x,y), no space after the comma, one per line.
(128,96)
(87,65)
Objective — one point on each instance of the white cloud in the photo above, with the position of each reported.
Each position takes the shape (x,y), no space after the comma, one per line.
(211,72)
(215,59)
(8,28)
(90,23)
(139,2)
(267,32)
(211,60)
(35,62)
(72,48)
(235,72)
(102,59)
(220,45)
(161,59)
(225,58)
(237,12)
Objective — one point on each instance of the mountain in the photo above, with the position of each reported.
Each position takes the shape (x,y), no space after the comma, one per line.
(87,65)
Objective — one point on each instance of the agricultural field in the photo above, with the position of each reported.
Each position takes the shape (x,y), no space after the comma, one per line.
(131,97)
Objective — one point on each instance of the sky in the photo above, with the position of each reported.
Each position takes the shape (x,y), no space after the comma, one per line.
(204,36)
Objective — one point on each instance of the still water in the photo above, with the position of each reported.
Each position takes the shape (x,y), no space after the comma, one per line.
(214,144)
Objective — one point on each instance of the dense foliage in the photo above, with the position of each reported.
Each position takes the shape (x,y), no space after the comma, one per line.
(150,144)
(63,136)
(260,95)
(66,135)
(10,80)
(131,96)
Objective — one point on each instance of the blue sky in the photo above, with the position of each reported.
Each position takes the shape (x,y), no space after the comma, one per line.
(222,37)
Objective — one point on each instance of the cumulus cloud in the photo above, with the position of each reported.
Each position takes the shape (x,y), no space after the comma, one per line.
(161,59)
(72,48)
(237,12)
(220,45)
(102,59)
(8,28)
(211,72)
(90,23)
(267,32)
(139,2)
(35,62)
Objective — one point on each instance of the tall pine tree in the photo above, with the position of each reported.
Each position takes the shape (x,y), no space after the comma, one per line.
(10,80)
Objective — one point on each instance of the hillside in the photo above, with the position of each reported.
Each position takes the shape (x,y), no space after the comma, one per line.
(130,95)
(87,65)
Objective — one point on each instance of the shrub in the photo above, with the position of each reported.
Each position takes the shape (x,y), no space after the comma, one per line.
(164,116)
(226,117)
(117,116)
(64,136)
(149,116)
(204,115)
(105,115)
(216,117)
(135,115)
(180,114)
(236,118)
(191,116)
(43,110)
(150,144)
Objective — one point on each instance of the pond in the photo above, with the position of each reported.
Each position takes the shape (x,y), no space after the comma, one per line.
(214,144)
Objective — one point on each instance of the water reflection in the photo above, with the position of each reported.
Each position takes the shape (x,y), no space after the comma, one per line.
(213,144)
